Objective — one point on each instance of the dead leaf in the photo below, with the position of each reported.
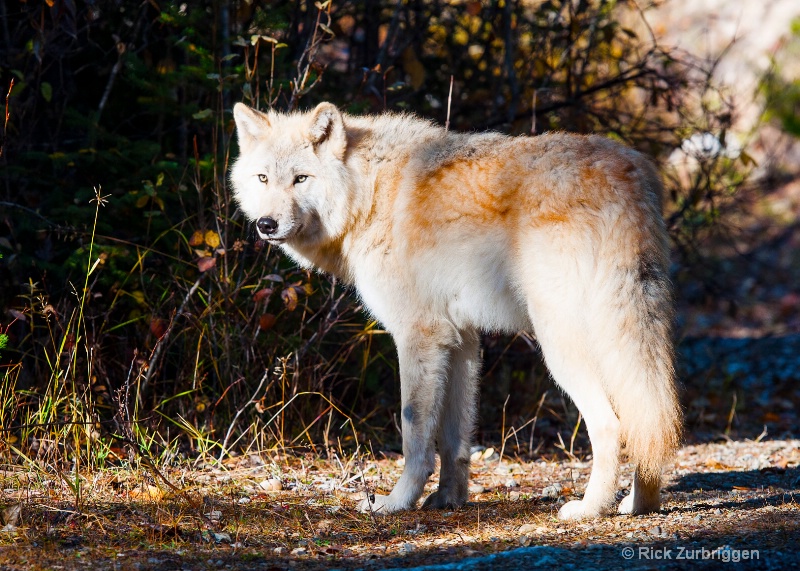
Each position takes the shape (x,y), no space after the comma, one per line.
(212,239)
(205,264)
(262,294)
(196,239)
(289,296)
(146,492)
(266,321)
(10,515)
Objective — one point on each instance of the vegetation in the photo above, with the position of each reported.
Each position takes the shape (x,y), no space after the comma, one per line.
(142,317)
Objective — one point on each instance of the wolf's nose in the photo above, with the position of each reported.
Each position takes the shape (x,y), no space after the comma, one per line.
(267,226)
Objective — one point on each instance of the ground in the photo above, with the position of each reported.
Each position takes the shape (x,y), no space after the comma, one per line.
(723,501)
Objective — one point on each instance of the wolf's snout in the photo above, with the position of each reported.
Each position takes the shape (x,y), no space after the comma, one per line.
(267,226)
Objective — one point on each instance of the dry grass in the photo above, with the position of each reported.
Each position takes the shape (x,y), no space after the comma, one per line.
(742,494)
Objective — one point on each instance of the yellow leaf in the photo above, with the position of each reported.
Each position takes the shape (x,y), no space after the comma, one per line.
(212,239)
(289,296)
(196,239)
(142,201)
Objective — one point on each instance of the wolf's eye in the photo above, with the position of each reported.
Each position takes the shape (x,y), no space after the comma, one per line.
(301,178)
(262,178)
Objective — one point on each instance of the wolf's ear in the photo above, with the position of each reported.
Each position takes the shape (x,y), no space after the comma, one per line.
(327,129)
(250,124)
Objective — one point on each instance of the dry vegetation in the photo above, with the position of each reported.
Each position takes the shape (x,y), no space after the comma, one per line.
(273,511)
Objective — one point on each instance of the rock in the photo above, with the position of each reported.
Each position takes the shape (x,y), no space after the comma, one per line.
(552,492)
(299,551)
(527,529)
(524,541)
(271,485)
(407,548)
(655,531)
(511,483)
(279,551)
(476,489)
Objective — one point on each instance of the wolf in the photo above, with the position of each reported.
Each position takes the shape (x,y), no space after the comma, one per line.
(444,235)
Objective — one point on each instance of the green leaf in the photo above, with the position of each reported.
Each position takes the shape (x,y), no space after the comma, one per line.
(47,91)
(204,114)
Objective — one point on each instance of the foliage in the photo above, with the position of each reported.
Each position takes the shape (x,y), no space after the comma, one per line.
(158,322)
(782,93)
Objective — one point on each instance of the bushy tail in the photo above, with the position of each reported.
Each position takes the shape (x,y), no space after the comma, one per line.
(637,358)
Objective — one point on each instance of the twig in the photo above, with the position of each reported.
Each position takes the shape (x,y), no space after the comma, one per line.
(449,101)
(224,445)
(5,123)
(163,340)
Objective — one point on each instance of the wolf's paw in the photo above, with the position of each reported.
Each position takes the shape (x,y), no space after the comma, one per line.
(578,509)
(444,499)
(643,506)
(379,505)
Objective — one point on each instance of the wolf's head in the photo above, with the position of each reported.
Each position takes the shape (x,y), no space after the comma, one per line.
(290,177)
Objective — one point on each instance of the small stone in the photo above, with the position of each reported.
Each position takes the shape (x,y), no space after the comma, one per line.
(552,492)
(527,529)
(698,517)
(271,485)
(214,515)
(407,548)
(514,496)
(512,483)
(299,551)
(279,551)
(476,489)
(243,501)
(717,511)
(655,531)
(524,541)
(222,537)
(325,526)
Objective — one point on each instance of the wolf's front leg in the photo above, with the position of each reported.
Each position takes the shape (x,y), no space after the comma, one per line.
(456,424)
(424,356)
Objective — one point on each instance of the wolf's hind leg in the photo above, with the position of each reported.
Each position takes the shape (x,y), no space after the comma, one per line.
(424,359)
(644,497)
(564,342)
(456,425)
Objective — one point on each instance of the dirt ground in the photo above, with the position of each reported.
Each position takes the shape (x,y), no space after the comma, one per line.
(724,502)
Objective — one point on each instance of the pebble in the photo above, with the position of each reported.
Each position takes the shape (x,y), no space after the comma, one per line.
(271,485)
(655,531)
(512,483)
(407,548)
(299,551)
(552,492)
(527,528)
(476,489)
(279,551)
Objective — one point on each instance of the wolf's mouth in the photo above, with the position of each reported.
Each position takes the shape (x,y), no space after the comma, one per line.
(283,239)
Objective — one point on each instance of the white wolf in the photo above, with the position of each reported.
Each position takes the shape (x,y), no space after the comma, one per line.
(445,234)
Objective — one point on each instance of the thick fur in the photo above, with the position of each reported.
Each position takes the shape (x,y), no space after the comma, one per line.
(445,234)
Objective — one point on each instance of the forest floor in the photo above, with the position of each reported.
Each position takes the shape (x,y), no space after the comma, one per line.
(724,502)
